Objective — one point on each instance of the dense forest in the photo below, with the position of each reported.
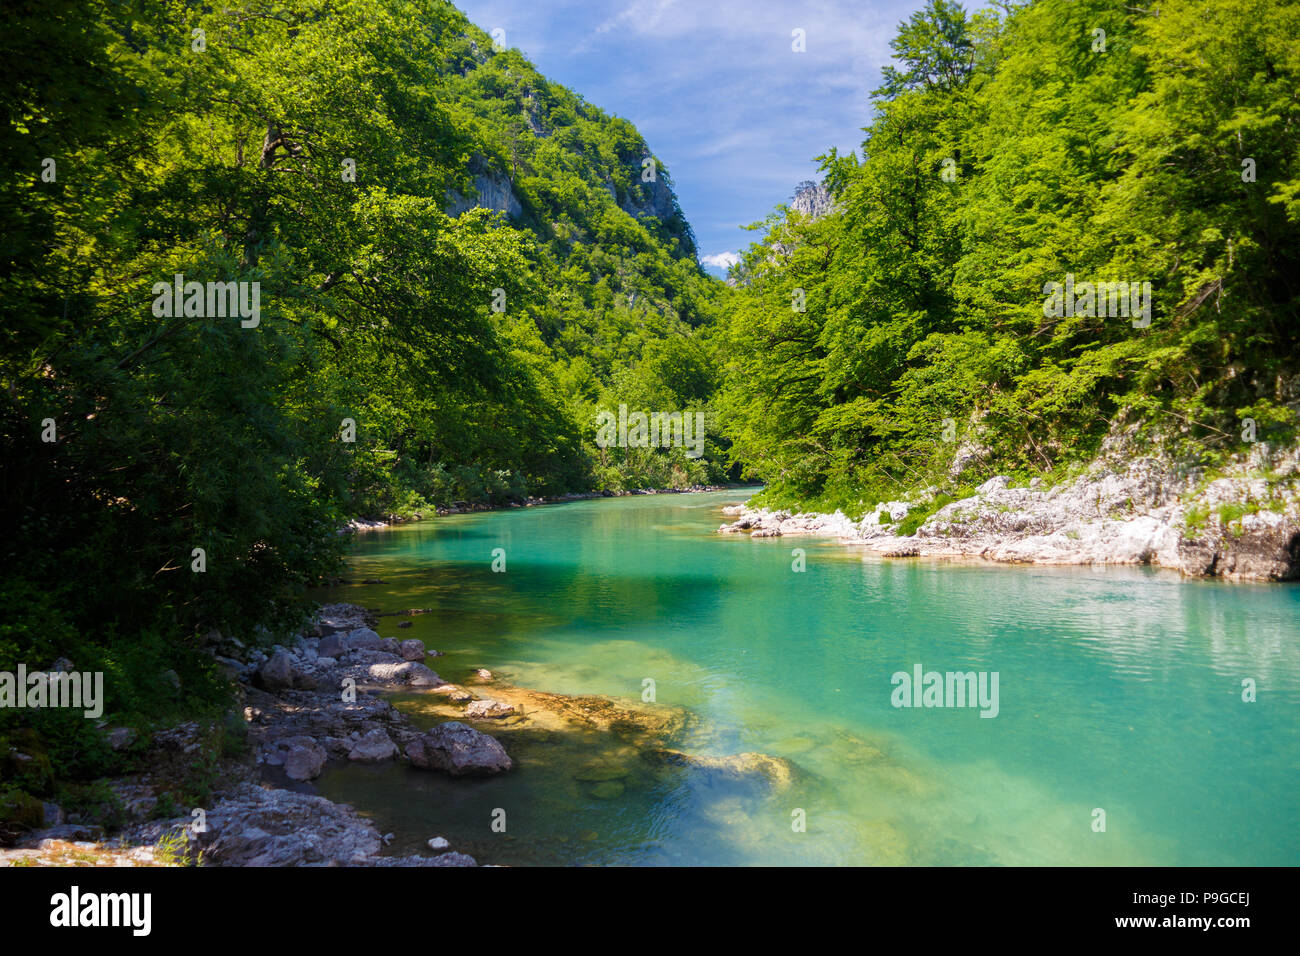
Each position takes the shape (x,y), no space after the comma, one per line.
(905,340)
(433,269)
(457,265)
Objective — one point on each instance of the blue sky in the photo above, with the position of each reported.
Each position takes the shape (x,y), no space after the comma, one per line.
(714,86)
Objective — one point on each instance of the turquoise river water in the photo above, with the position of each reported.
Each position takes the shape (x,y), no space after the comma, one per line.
(1119,690)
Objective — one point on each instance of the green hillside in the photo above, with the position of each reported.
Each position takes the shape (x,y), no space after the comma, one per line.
(1051,142)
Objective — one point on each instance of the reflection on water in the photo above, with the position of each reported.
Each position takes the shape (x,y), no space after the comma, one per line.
(1120,689)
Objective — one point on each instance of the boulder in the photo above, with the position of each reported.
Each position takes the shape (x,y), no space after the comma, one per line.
(409,672)
(254,826)
(277,672)
(305,759)
(331,645)
(233,669)
(338,747)
(364,639)
(459,750)
(411,650)
(374,747)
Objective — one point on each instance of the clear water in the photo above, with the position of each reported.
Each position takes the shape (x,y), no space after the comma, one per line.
(1119,689)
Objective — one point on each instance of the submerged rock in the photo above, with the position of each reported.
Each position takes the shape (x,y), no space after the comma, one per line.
(601,773)
(488,709)
(455,693)
(776,772)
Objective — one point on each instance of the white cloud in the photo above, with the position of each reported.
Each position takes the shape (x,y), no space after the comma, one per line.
(722,260)
(643,14)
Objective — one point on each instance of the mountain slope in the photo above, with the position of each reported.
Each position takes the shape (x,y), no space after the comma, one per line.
(963,313)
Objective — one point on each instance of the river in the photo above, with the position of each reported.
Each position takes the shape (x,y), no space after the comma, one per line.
(1119,690)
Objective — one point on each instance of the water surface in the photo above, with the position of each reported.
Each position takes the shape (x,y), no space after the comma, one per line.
(1119,689)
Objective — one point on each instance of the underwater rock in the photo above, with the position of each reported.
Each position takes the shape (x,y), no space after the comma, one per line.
(456,694)
(488,709)
(600,773)
(776,772)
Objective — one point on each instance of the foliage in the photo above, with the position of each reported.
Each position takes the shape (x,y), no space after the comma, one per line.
(330,153)
(1007,151)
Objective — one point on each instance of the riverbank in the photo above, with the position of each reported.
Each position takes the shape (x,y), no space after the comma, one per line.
(303,706)
(1241,523)
(323,702)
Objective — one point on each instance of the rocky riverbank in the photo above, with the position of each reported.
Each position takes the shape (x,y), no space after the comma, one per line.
(303,706)
(322,701)
(1240,522)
